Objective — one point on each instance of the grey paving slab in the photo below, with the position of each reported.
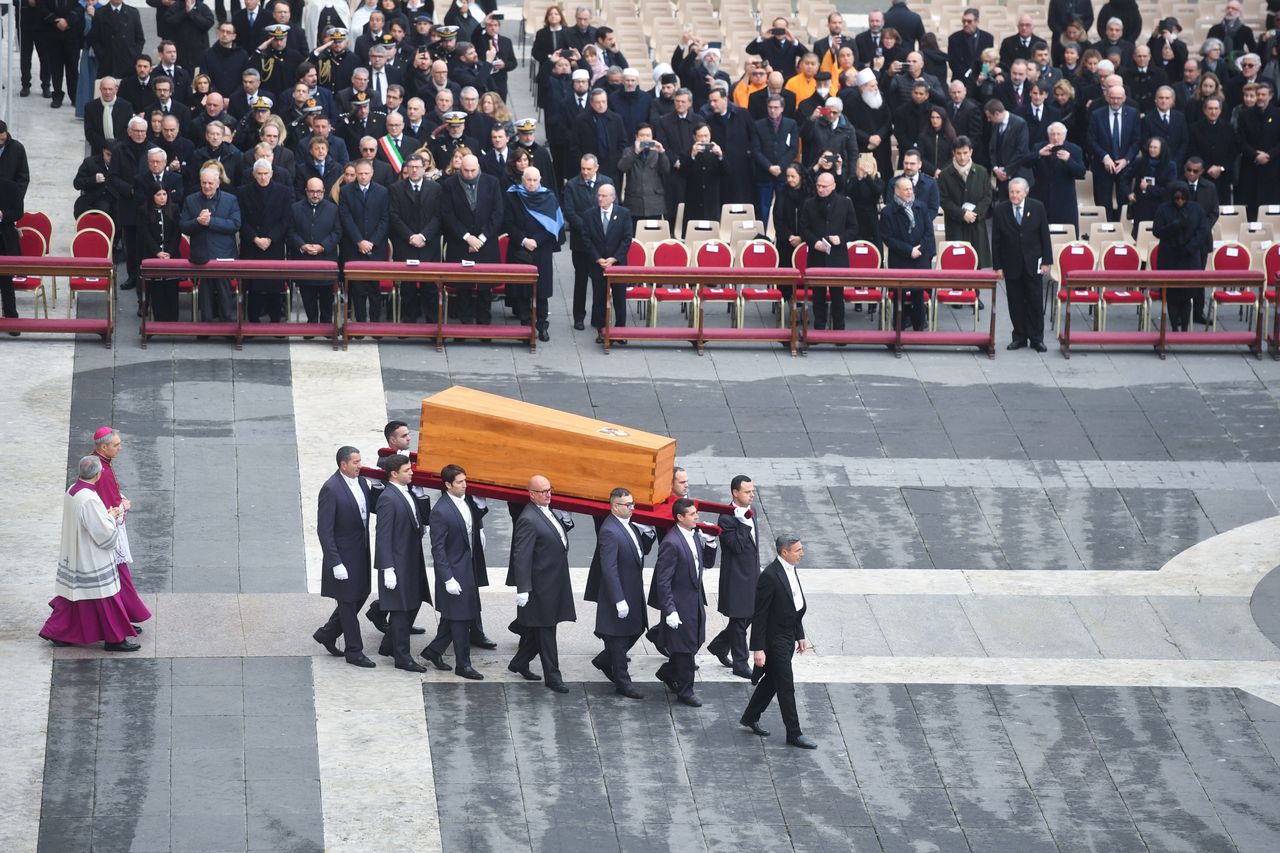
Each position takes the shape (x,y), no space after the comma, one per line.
(1029,626)
(1125,627)
(1213,628)
(899,618)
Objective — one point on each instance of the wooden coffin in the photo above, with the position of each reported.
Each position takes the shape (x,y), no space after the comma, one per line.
(504,442)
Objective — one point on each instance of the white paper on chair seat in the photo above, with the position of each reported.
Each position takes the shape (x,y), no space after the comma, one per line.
(1232,251)
(758,248)
(1077,250)
(861,250)
(713,247)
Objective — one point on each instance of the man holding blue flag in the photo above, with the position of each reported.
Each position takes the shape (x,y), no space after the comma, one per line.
(534,228)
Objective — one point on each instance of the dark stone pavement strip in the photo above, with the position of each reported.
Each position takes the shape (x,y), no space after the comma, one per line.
(900,767)
(184,755)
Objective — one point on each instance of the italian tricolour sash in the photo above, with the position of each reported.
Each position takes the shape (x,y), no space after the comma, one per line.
(392,151)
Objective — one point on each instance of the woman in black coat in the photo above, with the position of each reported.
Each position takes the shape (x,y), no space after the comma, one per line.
(1153,172)
(92,179)
(935,141)
(866,189)
(264,222)
(159,237)
(703,173)
(786,211)
(1185,238)
(935,59)
(548,41)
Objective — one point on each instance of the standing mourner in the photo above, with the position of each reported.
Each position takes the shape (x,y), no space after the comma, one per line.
(777,632)
(88,607)
(1022,251)
(342,525)
(534,224)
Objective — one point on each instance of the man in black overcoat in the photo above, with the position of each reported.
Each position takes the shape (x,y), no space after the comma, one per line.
(828,224)
(472,213)
(739,570)
(616,583)
(398,559)
(415,233)
(342,525)
(314,233)
(1022,251)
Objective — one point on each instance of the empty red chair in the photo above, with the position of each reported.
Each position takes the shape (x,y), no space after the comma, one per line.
(32,245)
(1074,257)
(956,255)
(670,253)
(89,243)
(1123,257)
(1235,257)
(638,256)
(716,254)
(760,254)
(97,219)
(864,255)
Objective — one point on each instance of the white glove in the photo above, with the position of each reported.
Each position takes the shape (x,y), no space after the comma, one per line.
(646,529)
(741,511)
(340,572)
(623,610)
(480,503)
(673,620)
(708,541)
(418,491)
(452,586)
(522,598)
(389,578)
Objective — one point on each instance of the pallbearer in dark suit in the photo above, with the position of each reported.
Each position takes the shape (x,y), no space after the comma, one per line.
(677,581)
(539,570)
(342,524)
(415,234)
(402,570)
(679,489)
(739,571)
(777,632)
(606,245)
(453,533)
(616,583)
(399,440)
(1022,252)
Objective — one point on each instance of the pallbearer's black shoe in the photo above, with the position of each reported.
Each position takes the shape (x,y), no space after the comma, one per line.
(361,661)
(436,660)
(331,646)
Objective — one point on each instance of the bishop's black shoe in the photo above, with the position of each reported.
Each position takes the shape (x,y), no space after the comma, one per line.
(129,644)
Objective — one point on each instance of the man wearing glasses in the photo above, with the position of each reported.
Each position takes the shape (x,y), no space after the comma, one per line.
(965,47)
(1250,66)
(539,570)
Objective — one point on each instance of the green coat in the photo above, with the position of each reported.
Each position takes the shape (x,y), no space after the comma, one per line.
(955,192)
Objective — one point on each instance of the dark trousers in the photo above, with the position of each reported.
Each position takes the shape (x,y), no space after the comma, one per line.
(459,634)
(1179,302)
(916,316)
(599,286)
(1110,191)
(477,627)
(733,639)
(317,301)
(525,316)
(133,257)
(582,265)
(8,302)
(63,56)
(162,295)
(678,672)
(654,636)
(540,643)
(777,679)
(822,297)
(419,302)
(1197,301)
(345,621)
(560,159)
(216,302)
(1025,292)
(265,297)
(30,44)
(613,660)
(365,301)
(473,303)
(396,641)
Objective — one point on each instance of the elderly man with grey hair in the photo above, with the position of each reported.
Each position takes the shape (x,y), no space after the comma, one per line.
(211,219)
(264,225)
(1022,253)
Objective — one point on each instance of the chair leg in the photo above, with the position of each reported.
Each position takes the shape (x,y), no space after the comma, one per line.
(976,323)
(1213,316)
(932,308)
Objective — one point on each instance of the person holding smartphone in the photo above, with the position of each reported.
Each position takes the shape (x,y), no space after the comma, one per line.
(1152,174)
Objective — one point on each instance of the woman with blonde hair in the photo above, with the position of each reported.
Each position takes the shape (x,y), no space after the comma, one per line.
(348,176)
(492,105)
(430,171)
(455,159)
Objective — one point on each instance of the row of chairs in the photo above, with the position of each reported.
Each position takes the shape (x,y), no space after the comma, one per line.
(94,238)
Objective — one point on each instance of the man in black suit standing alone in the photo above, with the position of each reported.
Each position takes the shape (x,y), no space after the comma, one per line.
(739,571)
(606,241)
(116,38)
(415,233)
(616,583)
(777,632)
(454,533)
(402,570)
(1022,252)
(906,227)
(828,223)
(343,528)
(364,209)
(472,217)
(677,582)
(539,570)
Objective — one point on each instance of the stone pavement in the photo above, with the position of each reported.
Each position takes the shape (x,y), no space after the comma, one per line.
(1040,591)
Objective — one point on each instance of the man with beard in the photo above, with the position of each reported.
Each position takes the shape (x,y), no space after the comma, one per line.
(664,102)
(631,103)
(700,72)
(1236,36)
(870,119)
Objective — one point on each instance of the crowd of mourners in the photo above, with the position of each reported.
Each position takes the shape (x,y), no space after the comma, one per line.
(316,131)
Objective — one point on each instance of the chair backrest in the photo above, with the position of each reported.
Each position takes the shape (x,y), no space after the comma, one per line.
(40,222)
(1075,256)
(1271,263)
(670,253)
(957,255)
(184,247)
(1256,231)
(503,242)
(96,219)
(713,253)
(1057,228)
(696,230)
(1231,256)
(31,243)
(759,254)
(1153,257)
(738,211)
(652,230)
(637,255)
(864,255)
(91,243)
(1121,256)
(1230,218)
(1091,215)
(800,257)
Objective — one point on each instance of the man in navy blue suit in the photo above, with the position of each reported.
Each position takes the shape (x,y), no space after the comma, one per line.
(365,211)
(906,227)
(778,139)
(677,579)
(1113,139)
(454,535)
(314,232)
(606,245)
(616,583)
(342,525)
(925,187)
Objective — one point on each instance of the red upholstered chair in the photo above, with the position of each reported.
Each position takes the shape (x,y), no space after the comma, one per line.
(638,256)
(90,243)
(760,254)
(716,254)
(97,219)
(1123,257)
(32,245)
(1235,257)
(42,224)
(188,285)
(1271,264)
(864,255)
(671,253)
(957,255)
(1072,257)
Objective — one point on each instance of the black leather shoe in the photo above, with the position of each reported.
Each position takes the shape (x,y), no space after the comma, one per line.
(724,659)
(755,727)
(691,701)
(362,662)
(45,91)
(411,666)
(1200,320)
(129,644)
(1016,345)
(414,629)
(470,673)
(558,687)
(25,92)
(56,102)
(331,646)
(802,741)
(578,325)
(742,672)
(378,618)
(129,285)
(599,339)
(137,629)
(603,667)
(544,335)
(525,673)
(630,693)
(1039,346)
(436,660)
(483,643)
